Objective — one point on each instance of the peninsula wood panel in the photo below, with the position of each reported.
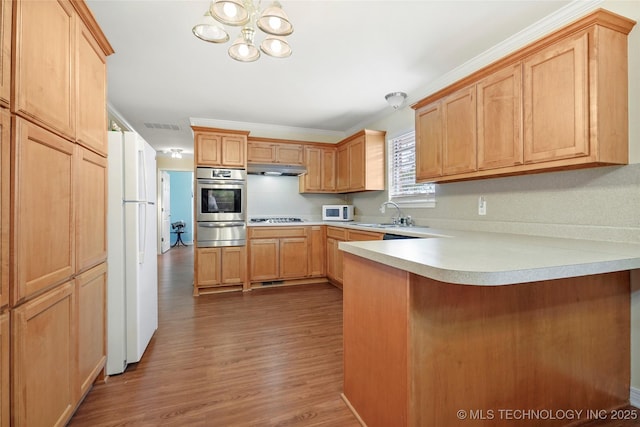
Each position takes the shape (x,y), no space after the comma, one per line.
(5,202)
(44,359)
(6,8)
(92,93)
(91,209)
(43,210)
(556,101)
(558,345)
(91,299)
(499,112)
(376,298)
(44,60)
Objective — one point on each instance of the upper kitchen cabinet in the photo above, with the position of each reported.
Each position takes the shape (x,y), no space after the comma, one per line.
(263,150)
(360,162)
(43,237)
(92,93)
(5,52)
(220,148)
(44,60)
(59,70)
(499,118)
(558,103)
(459,132)
(321,170)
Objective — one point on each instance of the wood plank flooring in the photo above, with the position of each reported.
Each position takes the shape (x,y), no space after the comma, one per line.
(269,357)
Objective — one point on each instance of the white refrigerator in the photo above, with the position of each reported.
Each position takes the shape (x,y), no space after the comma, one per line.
(132,287)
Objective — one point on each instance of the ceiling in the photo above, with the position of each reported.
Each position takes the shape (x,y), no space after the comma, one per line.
(346,56)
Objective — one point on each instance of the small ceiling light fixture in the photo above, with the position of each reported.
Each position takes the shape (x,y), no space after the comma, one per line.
(246,14)
(176,153)
(396,99)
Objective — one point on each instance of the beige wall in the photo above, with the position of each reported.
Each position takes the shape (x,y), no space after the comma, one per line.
(599,203)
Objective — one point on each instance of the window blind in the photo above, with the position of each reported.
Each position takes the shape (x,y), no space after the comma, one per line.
(403,171)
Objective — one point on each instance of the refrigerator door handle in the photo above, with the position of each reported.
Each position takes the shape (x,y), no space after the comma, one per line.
(142,246)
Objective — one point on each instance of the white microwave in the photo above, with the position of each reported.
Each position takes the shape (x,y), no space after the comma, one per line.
(337,212)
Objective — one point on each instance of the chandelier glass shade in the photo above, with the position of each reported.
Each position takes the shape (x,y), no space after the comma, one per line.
(246,14)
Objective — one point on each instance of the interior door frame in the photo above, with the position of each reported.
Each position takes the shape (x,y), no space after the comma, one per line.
(161,169)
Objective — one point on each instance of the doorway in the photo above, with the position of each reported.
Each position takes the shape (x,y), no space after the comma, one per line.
(176,204)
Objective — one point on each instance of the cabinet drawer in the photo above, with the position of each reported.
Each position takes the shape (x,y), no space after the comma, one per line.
(337,233)
(276,232)
(355,235)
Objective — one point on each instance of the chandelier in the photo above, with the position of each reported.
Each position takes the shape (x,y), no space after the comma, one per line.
(246,14)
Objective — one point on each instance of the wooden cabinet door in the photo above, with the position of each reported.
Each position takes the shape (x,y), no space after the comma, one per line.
(5,378)
(334,261)
(208,149)
(459,142)
(91,299)
(5,52)
(92,93)
(45,63)
(499,116)
(233,151)
(312,180)
(91,209)
(44,213)
(328,173)
(290,154)
(5,204)
(317,251)
(259,152)
(44,359)
(556,101)
(342,164)
(264,259)
(234,263)
(208,266)
(294,257)
(357,164)
(429,142)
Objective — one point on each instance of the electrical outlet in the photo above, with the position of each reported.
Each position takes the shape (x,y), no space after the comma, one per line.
(482,206)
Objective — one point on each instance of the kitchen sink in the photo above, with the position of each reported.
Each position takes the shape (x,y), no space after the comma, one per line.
(382,225)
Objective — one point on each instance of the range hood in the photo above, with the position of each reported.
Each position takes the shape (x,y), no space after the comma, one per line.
(275,169)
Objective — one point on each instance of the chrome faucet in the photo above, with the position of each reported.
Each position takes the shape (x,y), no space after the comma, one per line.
(400,219)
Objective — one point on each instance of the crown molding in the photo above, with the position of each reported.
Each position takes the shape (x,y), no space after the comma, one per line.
(272,131)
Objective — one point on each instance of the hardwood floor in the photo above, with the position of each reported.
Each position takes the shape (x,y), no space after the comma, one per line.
(269,357)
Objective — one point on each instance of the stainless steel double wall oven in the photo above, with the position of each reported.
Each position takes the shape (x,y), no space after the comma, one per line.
(221,207)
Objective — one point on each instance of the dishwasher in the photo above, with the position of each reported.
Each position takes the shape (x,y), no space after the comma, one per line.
(391,236)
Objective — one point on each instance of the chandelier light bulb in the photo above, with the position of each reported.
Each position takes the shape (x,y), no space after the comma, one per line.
(230,10)
(243,50)
(275,22)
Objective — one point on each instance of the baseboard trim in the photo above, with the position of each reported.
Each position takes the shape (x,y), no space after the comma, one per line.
(352,409)
(634,397)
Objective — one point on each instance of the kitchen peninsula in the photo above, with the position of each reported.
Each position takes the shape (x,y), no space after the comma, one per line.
(463,328)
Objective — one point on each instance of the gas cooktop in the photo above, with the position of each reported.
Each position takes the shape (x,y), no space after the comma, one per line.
(277,220)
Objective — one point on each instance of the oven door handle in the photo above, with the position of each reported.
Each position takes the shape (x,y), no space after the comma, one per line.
(221,225)
(220,182)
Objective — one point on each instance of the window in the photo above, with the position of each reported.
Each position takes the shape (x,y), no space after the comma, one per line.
(403,188)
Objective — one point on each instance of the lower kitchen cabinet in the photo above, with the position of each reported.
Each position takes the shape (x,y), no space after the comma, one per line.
(335,235)
(91,292)
(5,382)
(44,359)
(286,253)
(222,268)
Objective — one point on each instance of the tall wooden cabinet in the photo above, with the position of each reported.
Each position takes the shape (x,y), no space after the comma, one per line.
(45,64)
(43,168)
(558,103)
(53,191)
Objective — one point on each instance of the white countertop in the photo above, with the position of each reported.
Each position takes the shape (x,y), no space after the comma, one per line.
(483,258)
(479,258)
